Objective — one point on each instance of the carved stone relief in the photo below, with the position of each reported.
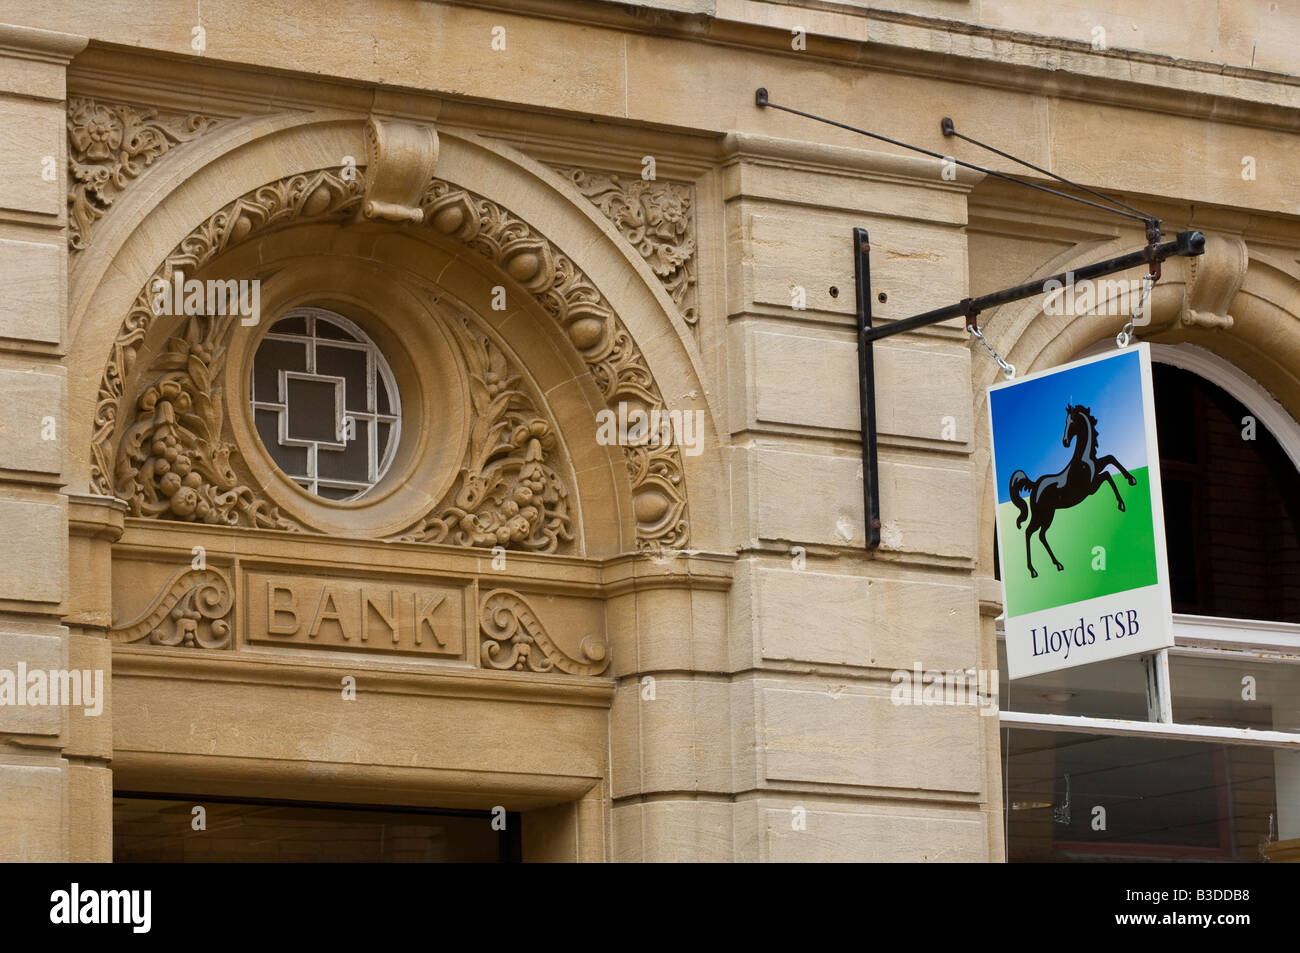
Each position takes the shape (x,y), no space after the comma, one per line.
(172,461)
(507,489)
(658,218)
(110,144)
(507,494)
(514,639)
(615,361)
(1213,280)
(191,611)
(186,368)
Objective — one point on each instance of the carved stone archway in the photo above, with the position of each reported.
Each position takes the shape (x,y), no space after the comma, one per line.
(560,287)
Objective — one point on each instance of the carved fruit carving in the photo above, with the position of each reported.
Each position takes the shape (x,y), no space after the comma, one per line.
(507,493)
(172,462)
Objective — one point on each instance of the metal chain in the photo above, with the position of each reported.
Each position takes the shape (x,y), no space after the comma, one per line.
(1008,369)
(1126,333)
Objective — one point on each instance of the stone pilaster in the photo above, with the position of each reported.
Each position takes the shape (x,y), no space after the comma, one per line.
(41,784)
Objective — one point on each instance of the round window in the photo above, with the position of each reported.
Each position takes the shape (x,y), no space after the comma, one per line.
(325,404)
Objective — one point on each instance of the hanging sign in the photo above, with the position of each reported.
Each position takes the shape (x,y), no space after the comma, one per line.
(1081,532)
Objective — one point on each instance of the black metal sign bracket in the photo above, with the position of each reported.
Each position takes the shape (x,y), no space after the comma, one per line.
(1185,244)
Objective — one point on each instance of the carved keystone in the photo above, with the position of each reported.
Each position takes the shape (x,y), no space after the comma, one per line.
(400,161)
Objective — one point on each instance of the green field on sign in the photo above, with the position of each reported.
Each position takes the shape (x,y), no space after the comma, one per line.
(1128,539)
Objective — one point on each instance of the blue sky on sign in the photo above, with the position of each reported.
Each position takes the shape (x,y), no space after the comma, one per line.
(1029,418)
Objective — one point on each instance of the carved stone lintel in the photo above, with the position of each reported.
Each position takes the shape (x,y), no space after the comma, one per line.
(110,144)
(1213,280)
(400,161)
(514,638)
(190,612)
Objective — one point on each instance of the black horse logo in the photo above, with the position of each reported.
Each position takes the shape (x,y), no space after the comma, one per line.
(1081,478)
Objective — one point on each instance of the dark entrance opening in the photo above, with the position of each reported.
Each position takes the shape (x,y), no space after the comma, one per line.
(161,828)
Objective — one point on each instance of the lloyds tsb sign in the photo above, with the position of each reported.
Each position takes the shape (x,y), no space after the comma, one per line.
(1081,536)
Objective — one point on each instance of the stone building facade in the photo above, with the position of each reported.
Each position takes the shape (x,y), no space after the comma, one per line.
(370,535)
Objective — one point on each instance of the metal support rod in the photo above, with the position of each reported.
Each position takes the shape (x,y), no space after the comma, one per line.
(867,387)
(1186,244)
(949,128)
(762,100)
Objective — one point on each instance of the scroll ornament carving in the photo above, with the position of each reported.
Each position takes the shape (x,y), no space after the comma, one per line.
(658,218)
(190,612)
(507,493)
(400,157)
(109,144)
(514,639)
(172,462)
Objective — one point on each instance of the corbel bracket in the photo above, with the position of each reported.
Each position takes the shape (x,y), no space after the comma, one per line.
(400,161)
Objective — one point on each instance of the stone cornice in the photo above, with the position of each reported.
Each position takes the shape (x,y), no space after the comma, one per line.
(387,676)
(956,51)
(884,166)
(47,46)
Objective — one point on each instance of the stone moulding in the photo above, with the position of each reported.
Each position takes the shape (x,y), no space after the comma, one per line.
(555,281)
(658,219)
(514,639)
(109,145)
(189,612)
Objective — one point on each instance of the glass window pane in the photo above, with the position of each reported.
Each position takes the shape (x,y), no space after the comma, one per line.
(328,329)
(272,357)
(350,364)
(1160,800)
(1232,504)
(291,325)
(311,410)
(341,378)
(352,462)
(1235,692)
(1115,688)
(292,460)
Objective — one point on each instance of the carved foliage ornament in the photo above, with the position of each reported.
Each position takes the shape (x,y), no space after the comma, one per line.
(514,639)
(658,218)
(190,612)
(507,494)
(560,287)
(579,308)
(109,144)
(172,461)
(312,196)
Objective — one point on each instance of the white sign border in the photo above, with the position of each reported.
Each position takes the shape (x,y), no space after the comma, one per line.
(1148,410)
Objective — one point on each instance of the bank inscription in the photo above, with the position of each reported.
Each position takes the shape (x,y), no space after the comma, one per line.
(356,615)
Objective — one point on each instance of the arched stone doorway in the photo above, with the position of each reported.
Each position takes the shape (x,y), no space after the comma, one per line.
(444,638)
